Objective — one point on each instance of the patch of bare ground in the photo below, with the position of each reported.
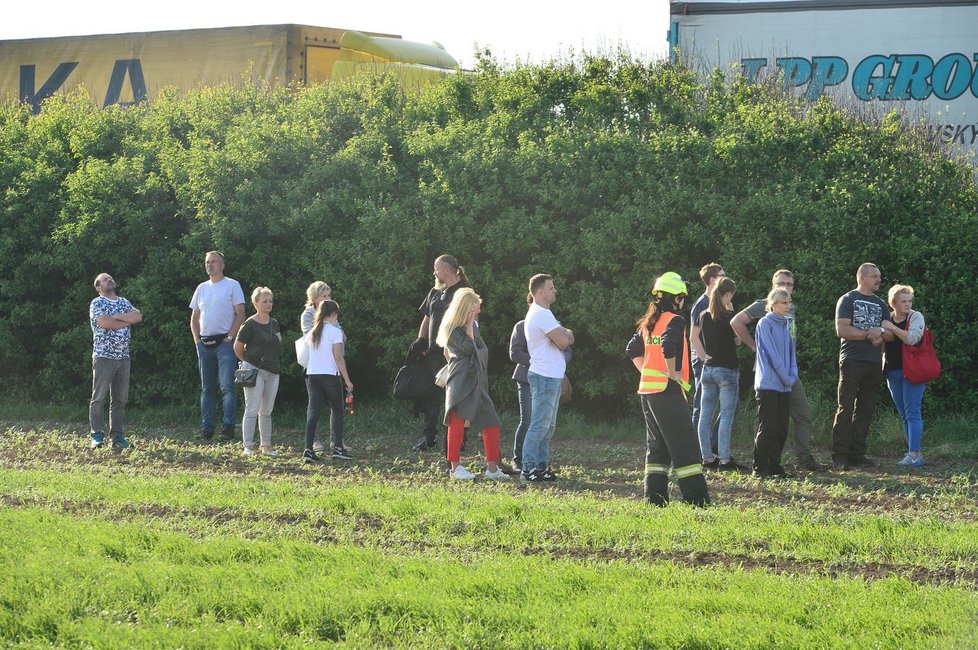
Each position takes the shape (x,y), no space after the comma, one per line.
(603,470)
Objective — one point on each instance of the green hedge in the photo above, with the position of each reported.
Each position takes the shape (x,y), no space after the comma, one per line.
(602,171)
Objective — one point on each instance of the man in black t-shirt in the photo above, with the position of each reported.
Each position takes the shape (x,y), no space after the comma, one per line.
(449,278)
(859,316)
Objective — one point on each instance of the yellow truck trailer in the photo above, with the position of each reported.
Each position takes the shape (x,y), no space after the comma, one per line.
(130,68)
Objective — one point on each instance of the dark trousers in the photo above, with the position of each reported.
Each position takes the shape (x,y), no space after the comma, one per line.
(859,387)
(773,408)
(323,389)
(523,392)
(672,441)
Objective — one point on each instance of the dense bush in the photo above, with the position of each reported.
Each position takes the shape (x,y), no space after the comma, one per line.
(603,171)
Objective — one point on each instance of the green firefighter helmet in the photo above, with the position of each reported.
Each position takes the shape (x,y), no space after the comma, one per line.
(669,282)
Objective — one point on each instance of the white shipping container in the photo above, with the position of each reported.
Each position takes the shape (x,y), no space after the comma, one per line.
(917,56)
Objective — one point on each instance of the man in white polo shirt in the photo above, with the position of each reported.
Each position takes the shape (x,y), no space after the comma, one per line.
(545,340)
(218,311)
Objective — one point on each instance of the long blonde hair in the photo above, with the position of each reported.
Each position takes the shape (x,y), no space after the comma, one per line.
(464,301)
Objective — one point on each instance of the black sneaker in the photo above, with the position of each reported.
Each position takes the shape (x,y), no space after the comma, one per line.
(423,444)
(309,456)
(227,432)
(533,476)
(841,465)
(761,474)
(713,464)
(811,465)
(205,434)
(861,461)
(549,475)
(779,472)
(340,453)
(730,466)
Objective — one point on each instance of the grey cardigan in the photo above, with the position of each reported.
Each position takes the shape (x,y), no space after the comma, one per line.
(467,385)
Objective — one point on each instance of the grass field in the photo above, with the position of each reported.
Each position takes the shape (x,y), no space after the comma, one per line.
(181,544)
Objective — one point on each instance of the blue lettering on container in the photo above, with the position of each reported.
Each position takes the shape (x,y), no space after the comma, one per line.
(952,76)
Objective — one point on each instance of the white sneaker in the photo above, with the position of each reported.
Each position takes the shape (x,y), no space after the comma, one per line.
(498,475)
(268,451)
(249,451)
(318,446)
(462,474)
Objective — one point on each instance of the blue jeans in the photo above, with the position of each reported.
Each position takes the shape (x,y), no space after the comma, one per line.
(544,401)
(526,408)
(217,365)
(697,401)
(907,398)
(718,384)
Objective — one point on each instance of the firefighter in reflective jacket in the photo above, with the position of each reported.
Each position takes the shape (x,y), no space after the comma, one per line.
(658,350)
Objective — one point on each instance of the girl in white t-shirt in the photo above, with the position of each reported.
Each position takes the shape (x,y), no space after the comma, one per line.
(326,376)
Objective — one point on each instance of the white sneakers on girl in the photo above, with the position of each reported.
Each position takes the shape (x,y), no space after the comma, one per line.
(498,475)
(462,474)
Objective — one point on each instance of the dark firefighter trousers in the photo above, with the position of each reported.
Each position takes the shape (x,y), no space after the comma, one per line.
(672,441)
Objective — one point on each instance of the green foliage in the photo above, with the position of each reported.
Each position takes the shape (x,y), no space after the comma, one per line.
(603,170)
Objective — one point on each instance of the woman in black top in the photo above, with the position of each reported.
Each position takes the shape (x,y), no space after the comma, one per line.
(721,375)
(257,346)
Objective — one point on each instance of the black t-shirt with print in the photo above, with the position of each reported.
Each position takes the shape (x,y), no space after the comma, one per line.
(865,312)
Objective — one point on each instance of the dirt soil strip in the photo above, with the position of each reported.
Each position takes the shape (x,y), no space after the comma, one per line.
(694,559)
(736,495)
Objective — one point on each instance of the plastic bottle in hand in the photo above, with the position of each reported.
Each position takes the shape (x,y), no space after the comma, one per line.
(349,403)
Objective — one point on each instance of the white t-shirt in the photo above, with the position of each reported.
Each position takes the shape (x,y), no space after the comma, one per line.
(546,359)
(321,361)
(216,301)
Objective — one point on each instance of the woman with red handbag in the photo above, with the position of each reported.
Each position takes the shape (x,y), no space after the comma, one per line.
(908,327)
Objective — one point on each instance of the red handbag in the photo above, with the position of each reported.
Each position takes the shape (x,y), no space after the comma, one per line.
(920,362)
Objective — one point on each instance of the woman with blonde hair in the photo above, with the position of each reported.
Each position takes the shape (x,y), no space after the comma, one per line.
(316,293)
(908,328)
(775,373)
(467,401)
(257,345)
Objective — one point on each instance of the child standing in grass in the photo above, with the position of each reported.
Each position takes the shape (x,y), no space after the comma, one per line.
(775,373)
(325,379)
